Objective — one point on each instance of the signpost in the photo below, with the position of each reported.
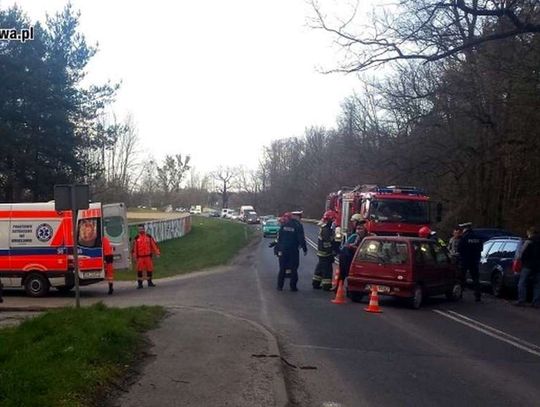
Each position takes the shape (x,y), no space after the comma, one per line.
(73,197)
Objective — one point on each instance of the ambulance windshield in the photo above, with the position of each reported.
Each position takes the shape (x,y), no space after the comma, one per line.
(89,232)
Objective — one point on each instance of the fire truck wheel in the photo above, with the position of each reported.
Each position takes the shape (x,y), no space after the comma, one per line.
(36,285)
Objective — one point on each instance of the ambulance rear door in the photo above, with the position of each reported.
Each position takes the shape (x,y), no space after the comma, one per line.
(115,227)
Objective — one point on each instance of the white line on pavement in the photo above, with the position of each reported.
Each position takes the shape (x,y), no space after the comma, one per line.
(490,331)
(311,243)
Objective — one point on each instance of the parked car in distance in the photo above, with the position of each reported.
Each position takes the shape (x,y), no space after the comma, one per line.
(251,217)
(270,227)
(406,267)
(264,218)
(496,261)
(226,212)
(214,214)
(234,216)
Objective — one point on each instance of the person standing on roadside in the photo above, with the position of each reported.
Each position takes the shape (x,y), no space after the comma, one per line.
(348,250)
(469,249)
(529,259)
(453,244)
(144,246)
(108,257)
(290,238)
(322,277)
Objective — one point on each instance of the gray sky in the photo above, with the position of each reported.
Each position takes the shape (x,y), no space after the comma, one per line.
(212,78)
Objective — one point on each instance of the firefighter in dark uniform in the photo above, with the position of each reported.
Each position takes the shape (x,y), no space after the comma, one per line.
(469,250)
(290,238)
(326,244)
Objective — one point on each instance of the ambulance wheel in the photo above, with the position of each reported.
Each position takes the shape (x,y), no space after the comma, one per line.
(36,285)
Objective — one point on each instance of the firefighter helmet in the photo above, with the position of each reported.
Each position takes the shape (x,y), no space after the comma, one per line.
(424,232)
(329,215)
(357,218)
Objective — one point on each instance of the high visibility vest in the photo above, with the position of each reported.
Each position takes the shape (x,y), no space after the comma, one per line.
(144,246)
(107,250)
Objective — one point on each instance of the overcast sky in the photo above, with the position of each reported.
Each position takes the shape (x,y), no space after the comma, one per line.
(211,78)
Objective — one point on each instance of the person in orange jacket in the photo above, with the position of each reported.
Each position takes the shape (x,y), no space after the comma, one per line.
(109,258)
(144,246)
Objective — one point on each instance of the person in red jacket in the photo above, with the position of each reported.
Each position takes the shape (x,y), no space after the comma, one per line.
(144,246)
(109,258)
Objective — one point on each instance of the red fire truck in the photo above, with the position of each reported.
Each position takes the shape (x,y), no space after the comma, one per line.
(36,245)
(388,210)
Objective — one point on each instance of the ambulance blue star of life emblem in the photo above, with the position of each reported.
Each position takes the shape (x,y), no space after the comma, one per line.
(44,232)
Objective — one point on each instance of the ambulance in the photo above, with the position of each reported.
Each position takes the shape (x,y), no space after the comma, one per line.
(36,245)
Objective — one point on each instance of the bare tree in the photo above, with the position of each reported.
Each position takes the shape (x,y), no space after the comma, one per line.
(426,30)
(224,176)
(121,161)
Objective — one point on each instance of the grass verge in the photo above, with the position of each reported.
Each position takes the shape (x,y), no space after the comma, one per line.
(69,357)
(211,242)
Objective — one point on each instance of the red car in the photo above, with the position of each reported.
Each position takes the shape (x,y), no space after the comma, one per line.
(406,267)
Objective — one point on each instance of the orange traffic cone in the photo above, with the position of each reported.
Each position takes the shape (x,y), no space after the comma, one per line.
(340,294)
(373,301)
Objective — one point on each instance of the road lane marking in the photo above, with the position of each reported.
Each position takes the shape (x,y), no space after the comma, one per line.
(311,243)
(514,338)
(490,331)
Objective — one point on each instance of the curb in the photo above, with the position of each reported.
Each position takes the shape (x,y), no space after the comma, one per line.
(28,308)
(280,388)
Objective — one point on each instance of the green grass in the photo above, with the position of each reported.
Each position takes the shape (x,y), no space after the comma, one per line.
(211,242)
(68,357)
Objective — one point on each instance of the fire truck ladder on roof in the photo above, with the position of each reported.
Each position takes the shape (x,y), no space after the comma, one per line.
(390,189)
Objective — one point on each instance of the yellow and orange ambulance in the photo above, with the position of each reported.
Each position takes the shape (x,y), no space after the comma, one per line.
(36,246)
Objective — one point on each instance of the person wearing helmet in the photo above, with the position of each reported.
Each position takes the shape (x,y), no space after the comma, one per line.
(289,239)
(322,277)
(357,220)
(348,249)
(424,232)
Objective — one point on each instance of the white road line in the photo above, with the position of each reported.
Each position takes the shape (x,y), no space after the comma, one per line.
(523,342)
(311,243)
(490,331)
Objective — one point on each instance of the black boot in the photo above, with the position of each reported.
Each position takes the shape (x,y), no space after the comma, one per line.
(151,284)
(111,290)
(139,285)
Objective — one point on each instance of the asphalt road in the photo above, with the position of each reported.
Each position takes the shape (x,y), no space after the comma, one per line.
(445,354)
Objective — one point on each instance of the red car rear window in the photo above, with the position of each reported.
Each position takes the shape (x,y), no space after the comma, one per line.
(383,251)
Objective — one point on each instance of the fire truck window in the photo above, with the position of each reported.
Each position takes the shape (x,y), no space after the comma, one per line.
(397,210)
(88,232)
